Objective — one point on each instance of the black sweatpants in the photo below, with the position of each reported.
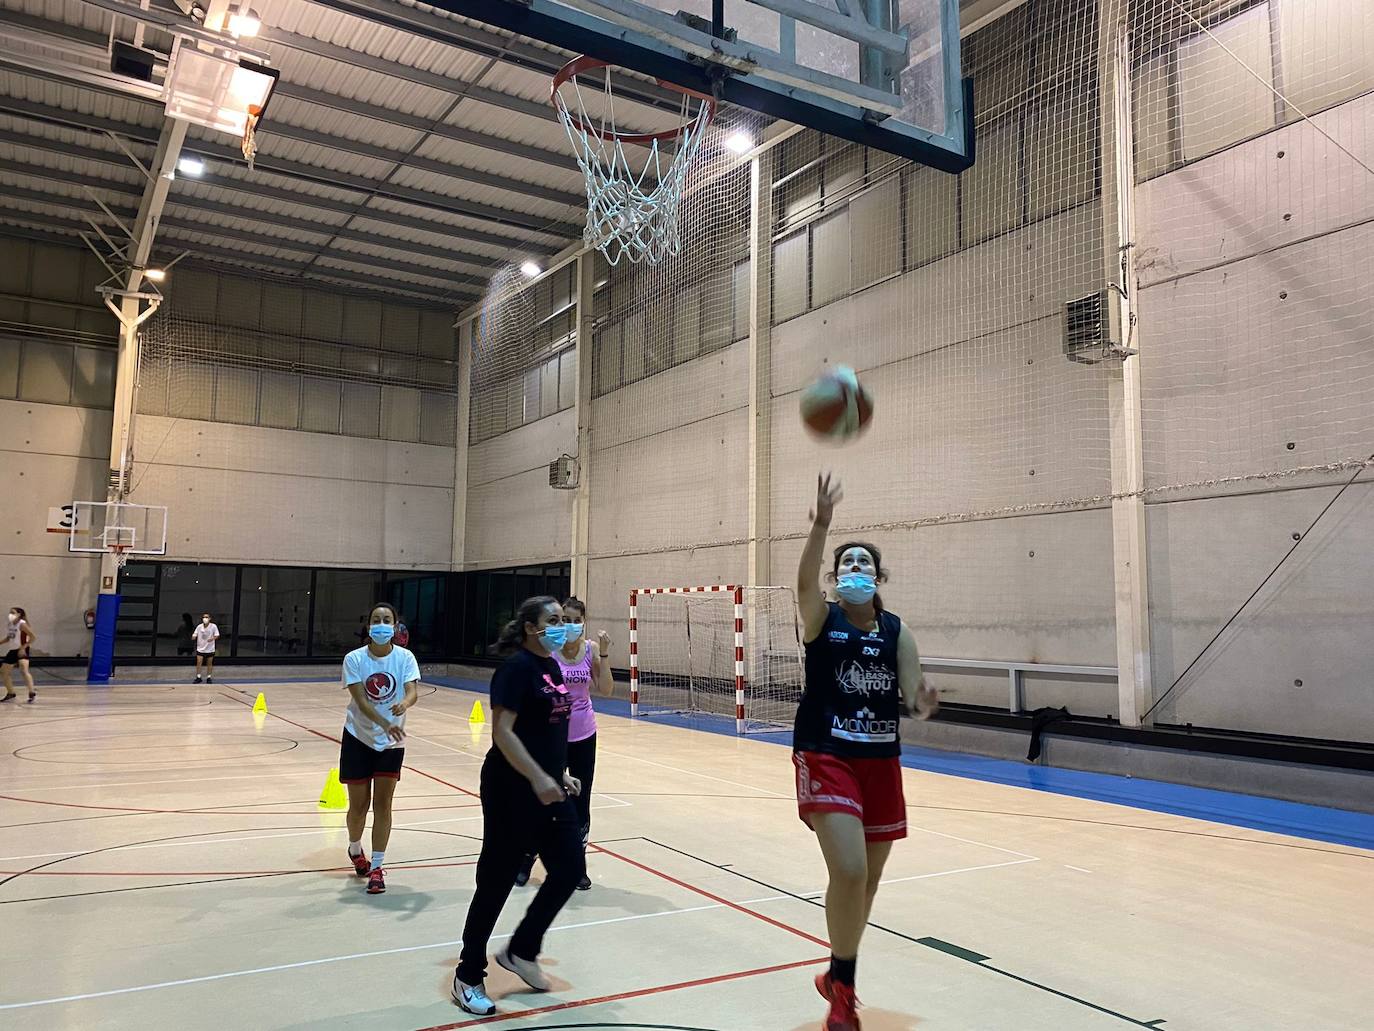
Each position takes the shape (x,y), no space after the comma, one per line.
(582,765)
(514,824)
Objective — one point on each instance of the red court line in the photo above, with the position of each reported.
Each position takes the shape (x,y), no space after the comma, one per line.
(715,898)
(317,733)
(637,994)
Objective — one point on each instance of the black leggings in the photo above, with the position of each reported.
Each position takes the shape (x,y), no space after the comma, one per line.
(582,765)
(515,824)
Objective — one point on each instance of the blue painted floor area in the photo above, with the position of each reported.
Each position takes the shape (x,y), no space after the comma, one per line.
(1316,823)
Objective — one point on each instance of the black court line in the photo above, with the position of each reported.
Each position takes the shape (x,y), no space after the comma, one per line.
(946,948)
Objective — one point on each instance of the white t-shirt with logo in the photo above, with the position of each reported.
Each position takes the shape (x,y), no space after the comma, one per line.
(385,681)
(205,634)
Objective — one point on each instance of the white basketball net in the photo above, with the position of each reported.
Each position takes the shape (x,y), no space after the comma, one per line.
(634,183)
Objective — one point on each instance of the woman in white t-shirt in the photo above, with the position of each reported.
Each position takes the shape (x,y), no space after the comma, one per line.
(382,679)
(18,636)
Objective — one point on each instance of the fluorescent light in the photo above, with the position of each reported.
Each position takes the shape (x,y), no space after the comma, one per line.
(191,166)
(530,269)
(245,23)
(739,142)
(157,275)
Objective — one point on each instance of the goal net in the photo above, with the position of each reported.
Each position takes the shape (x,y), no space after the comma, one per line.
(723,650)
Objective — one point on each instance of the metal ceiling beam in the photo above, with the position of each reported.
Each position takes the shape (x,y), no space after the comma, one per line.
(241,259)
(419,76)
(58,116)
(508,244)
(247,216)
(363,285)
(458,134)
(121,85)
(170,224)
(322,176)
(477,40)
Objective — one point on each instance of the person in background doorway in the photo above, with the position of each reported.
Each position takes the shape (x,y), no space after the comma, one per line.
(382,679)
(862,673)
(186,643)
(585,667)
(18,636)
(205,637)
(527,804)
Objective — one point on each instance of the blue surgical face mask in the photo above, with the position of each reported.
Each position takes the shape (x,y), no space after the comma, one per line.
(856,588)
(554,636)
(381,632)
(574,631)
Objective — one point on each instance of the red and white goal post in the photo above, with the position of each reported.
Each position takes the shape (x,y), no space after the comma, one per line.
(721,650)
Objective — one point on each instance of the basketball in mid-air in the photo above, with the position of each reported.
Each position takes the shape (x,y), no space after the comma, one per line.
(836,406)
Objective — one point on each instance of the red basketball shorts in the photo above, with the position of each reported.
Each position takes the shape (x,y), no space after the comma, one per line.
(870,789)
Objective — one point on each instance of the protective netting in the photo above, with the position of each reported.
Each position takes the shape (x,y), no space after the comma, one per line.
(687,661)
(279,423)
(977,309)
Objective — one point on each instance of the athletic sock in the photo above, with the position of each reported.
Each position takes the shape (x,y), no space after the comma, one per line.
(842,970)
(377,860)
(355,848)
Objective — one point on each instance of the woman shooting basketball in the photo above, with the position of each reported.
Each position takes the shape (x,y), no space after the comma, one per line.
(862,672)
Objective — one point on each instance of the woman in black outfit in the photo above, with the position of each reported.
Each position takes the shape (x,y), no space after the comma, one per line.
(526,804)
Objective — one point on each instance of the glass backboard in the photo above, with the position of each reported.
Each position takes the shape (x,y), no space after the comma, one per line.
(882,73)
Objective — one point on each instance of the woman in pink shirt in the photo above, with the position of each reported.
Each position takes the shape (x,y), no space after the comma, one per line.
(583,666)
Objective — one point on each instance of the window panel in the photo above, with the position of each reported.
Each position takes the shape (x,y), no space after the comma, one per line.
(790,261)
(875,227)
(1220,102)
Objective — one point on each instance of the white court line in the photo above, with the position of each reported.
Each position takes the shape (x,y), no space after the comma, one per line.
(965,869)
(694,773)
(1078,868)
(361,955)
(970,841)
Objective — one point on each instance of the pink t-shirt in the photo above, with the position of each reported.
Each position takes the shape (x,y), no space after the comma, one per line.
(577,678)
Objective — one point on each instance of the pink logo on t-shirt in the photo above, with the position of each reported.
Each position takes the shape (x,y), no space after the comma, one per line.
(557,687)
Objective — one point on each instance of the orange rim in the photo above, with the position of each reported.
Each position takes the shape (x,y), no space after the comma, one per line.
(578,65)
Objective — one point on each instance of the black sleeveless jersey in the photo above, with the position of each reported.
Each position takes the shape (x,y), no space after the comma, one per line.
(852,702)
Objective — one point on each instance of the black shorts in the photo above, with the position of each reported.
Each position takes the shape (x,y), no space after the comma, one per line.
(205,655)
(358,763)
(13,656)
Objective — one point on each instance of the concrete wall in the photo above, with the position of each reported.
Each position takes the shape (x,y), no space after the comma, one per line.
(1258,361)
(251,494)
(51,455)
(513,516)
(301,461)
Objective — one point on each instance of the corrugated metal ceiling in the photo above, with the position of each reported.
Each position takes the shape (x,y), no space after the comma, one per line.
(405,154)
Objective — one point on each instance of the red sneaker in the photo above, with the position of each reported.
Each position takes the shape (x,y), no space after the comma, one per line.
(376,883)
(843,1015)
(361,864)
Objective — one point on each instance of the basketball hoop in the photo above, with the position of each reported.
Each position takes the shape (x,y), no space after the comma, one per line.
(632,198)
(250,134)
(120,553)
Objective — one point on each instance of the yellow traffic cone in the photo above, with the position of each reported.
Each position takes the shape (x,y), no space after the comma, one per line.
(477,715)
(261,704)
(334,795)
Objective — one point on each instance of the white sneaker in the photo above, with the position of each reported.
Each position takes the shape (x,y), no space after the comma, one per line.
(473,998)
(525,969)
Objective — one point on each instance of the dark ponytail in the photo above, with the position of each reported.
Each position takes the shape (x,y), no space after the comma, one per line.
(512,637)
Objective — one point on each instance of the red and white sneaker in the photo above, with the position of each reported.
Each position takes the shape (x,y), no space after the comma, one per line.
(843,1015)
(376,883)
(361,864)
